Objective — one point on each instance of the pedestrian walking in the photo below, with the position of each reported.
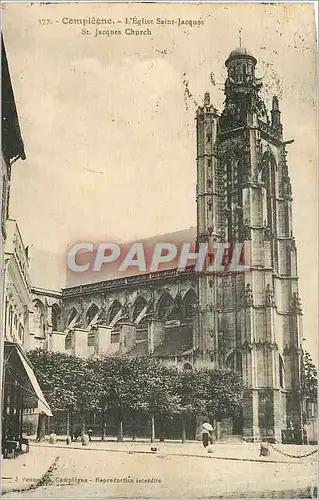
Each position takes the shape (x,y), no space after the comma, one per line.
(206,434)
(205,438)
(90,432)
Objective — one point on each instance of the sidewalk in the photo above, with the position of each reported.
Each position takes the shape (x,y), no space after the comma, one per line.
(28,469)
(284,477)
(233,451)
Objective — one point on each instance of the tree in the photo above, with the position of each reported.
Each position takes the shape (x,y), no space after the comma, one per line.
(98,366)
(192,392)
(137,384)
(310,377)
(215,393)
(160,394)
(131,385)
(121,386)
(67,381)
(52,372)
(224,393)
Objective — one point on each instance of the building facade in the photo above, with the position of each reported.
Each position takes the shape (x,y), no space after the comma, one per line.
(17,303)
(12,149)
(20,391)
(250,321)
(46,320)
(253,320)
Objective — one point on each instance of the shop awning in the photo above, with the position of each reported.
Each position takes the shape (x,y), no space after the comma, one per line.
(18,363)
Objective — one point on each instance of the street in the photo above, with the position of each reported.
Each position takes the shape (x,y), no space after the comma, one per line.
(90,473)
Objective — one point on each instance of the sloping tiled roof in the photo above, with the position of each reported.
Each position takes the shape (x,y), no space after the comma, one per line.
(178,340)
(12,144)
(110,270)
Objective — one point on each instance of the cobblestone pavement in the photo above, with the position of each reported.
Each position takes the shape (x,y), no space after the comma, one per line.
(100,473)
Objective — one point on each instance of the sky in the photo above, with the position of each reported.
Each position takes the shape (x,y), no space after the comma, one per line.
(108,121)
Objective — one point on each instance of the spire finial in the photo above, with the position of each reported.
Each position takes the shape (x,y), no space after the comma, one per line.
(239,35)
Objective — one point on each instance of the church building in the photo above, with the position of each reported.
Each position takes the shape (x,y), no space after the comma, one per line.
(249,321)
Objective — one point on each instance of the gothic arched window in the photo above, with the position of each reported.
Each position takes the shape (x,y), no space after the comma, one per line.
(72,316)
(281,372)
(269,173)
(269,180)
(139,305)
(114,309)
(91,313)
(38,319)
(142,324)
(235,362)
(20,332)
(188,306)
(240,180)
(56,318)
(10,317)
(230,194)
(165,307)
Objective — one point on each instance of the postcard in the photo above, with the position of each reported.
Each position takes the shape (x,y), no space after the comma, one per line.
(158,250)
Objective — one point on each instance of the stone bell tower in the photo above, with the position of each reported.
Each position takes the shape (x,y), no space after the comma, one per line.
(250,321)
